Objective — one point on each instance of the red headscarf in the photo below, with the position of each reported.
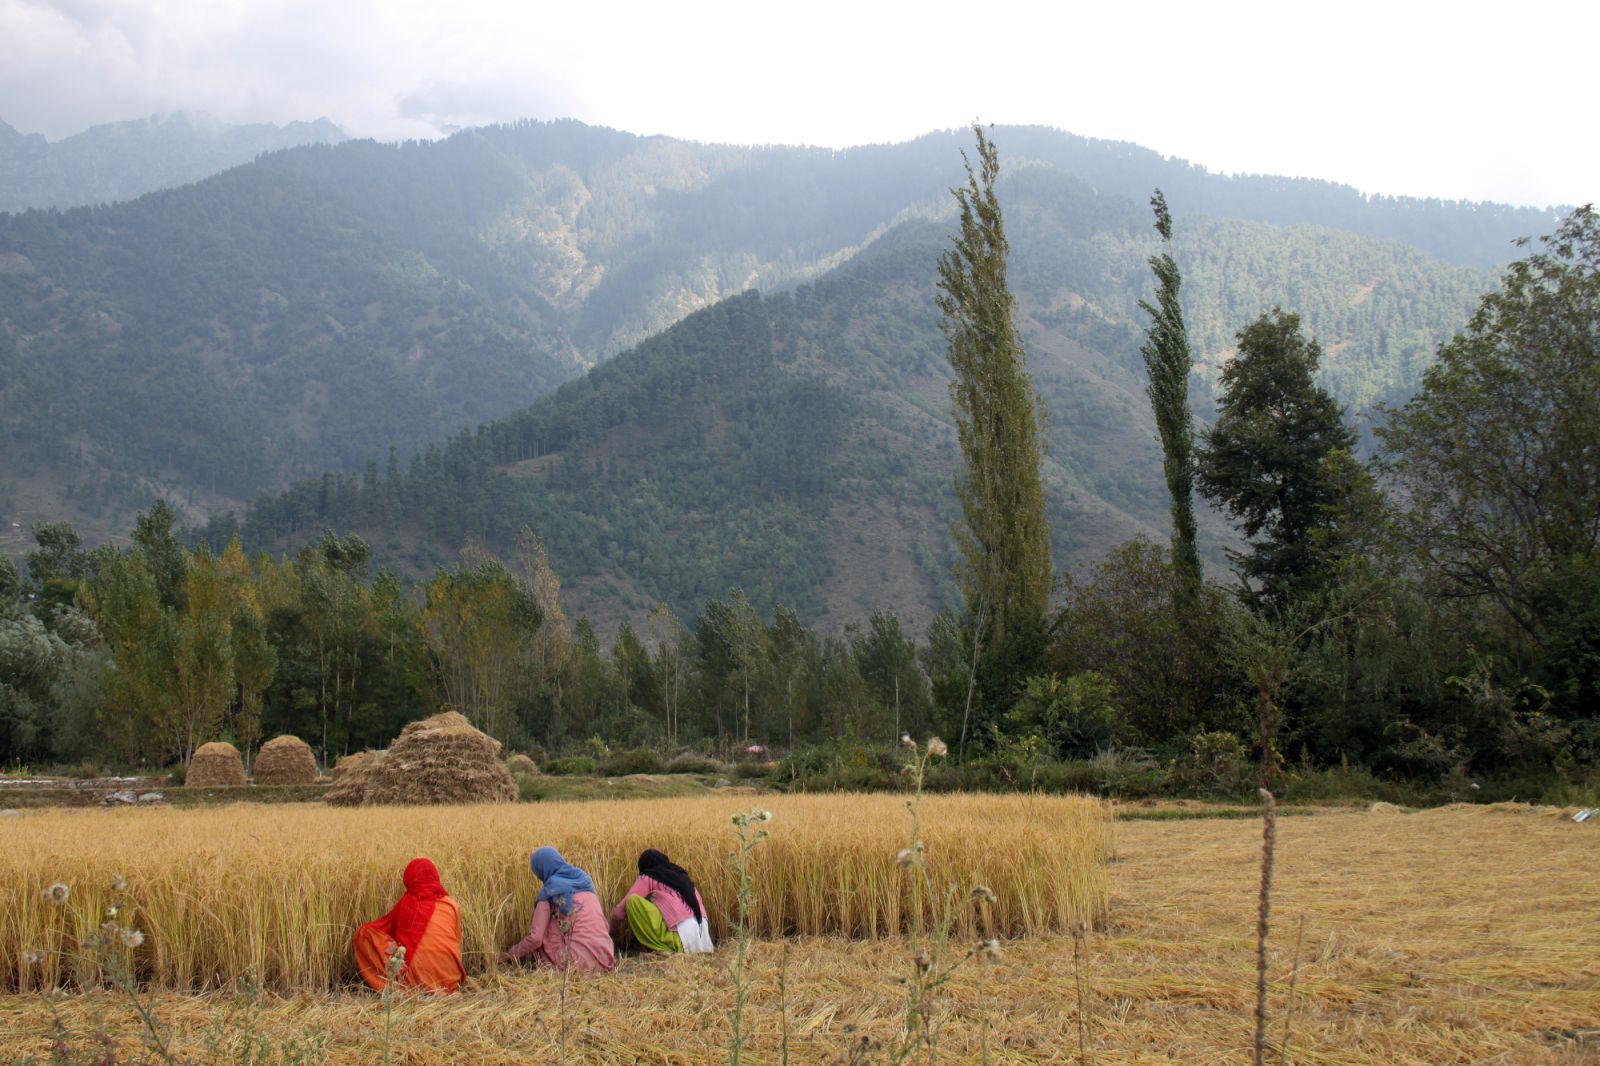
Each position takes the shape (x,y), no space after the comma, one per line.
(410,917)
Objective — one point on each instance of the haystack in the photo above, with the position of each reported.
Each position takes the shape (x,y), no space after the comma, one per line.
(285,760)
(215,765)
(522,764)
(351,777)
(351,763)
(441,760)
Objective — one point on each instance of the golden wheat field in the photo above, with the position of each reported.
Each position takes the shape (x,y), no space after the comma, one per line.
(273,894)
(1462,935)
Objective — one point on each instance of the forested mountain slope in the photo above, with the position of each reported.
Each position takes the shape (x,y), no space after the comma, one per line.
(124,160)
(799,444)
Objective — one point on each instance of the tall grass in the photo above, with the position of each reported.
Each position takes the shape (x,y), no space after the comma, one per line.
(275,893)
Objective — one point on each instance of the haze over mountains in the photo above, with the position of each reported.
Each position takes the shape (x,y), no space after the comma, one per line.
(310,310)
(123,160)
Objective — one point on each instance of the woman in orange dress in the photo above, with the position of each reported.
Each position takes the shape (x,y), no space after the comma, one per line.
(426,925)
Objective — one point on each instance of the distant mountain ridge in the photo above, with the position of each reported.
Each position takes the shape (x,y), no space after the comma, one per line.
(124,160)
(312,309)
(800,445)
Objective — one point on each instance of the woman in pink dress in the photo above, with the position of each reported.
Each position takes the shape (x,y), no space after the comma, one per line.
(569,924)
(663,910)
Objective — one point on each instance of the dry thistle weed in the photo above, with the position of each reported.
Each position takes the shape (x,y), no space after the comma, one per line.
(1269,823)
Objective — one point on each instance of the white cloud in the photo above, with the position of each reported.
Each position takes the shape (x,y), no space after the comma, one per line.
(1390,97)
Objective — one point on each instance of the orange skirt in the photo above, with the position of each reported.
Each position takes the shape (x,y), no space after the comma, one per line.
(437,965)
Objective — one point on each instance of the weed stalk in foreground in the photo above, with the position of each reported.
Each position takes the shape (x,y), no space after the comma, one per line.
(1269,833)
(1080,935)
(783,997)
(738,971)
(1288,1011)
(929,939)
(106,954)
(391,973)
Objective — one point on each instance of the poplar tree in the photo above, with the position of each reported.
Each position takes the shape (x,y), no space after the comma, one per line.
(1167,358)
(1003,535)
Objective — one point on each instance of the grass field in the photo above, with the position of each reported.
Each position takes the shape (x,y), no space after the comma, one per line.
(274,893)
(1462,935)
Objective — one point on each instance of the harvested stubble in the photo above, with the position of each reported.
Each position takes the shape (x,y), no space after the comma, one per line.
(277,893)
(1443,937)
(285,760)
(215,765)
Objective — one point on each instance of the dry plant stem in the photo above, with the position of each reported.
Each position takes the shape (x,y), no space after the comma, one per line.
(783,997)
(1288,1010)
(1079,932)
(738,970)
(929,937)
(1269,834)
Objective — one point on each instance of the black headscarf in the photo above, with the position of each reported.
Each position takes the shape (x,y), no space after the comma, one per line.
(653,863)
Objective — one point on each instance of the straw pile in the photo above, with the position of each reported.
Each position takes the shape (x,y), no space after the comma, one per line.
(285,760)
(522,764)
(439,760)
(351,777)
(215,765)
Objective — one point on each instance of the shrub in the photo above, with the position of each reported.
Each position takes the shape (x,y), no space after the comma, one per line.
(691,763)
(570,766)
(637,761)
(1216,765)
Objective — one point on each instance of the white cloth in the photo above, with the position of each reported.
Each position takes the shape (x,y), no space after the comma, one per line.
(696,936)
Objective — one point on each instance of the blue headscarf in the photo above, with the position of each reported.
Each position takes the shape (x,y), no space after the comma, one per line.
(561,879)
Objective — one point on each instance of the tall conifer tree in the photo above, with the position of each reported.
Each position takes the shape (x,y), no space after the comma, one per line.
(1003,535)
(1167,358)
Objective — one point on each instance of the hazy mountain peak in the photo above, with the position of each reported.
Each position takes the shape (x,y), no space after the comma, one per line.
(124,160)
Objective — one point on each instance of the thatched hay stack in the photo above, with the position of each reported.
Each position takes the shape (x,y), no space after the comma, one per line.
(442,760)
(285,760)
(522,764)
(215,765)
(351,778)
(351,763)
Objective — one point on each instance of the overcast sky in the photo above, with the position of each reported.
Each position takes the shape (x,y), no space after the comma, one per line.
(1459,100)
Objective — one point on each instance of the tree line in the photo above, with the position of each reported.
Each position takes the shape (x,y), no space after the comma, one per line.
(1427,612)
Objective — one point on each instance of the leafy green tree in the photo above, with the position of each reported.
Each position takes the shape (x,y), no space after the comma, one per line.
(334,606)
(10,586)
(887,660)
(1266,461)
(1497,456)
(32,658)
(1003,537)
(1075,717)
(786,642)
(55,566)
(476,618)
(140,633)
(1136,623)
(668,637)
(152,532)
(254,662)
(202,655)
(1167,359)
